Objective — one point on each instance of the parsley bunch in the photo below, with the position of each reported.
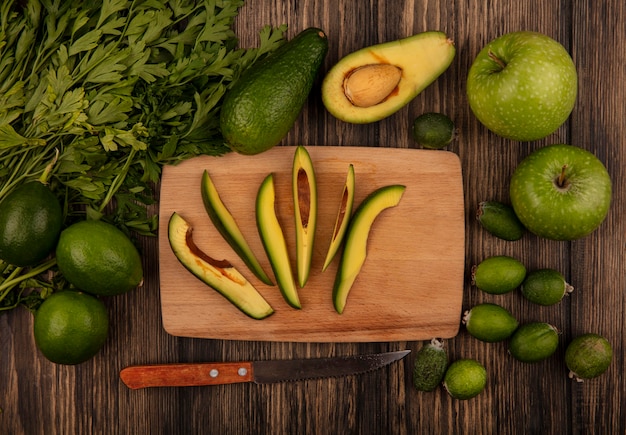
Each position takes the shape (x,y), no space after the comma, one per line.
(97,96)
(118,89)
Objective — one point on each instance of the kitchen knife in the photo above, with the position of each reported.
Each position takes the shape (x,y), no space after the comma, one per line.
(260,372)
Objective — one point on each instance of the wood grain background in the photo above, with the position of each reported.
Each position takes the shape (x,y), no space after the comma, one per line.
(38,397)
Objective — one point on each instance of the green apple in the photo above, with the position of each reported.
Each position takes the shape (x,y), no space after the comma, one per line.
(522,86)
(561,192)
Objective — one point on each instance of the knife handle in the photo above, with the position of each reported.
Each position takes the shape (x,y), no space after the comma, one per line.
(186,374)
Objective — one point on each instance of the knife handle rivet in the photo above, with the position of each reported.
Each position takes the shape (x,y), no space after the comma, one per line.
(213,373)
(242,371)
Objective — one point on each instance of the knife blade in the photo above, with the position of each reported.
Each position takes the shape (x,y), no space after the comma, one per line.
(260,372)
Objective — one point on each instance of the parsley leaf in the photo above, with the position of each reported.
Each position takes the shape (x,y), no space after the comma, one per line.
(96,97)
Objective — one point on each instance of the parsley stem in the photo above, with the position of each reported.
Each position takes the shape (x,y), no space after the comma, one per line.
(16,277)
(45,175)
(118,181)
(8,284)
(24,164)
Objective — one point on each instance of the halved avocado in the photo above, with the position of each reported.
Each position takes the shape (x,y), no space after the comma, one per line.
(228,228)
(377,81)
(304,188)
(274,242)
(355,249)
(219,275)
(343,217)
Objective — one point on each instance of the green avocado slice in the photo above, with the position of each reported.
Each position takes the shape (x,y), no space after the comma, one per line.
(274,242)
(355,249)
(228,228)
(304,188)
(393,72)
(343,217)
(219,275)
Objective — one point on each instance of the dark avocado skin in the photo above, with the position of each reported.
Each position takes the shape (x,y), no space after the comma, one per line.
(264,103)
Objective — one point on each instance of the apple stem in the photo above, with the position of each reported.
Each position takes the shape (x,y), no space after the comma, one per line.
(496,59)
(562,181)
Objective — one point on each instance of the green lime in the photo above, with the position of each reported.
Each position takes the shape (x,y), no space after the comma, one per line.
(534,342)
(30,222)
(588,356)
(433,130)
(500,220)
(465,378)
(489,322)
(545,287)
(498,274)
(70,327)
(430,365)
(98,258)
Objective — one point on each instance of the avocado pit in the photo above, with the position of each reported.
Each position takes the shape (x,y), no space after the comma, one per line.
(369,85)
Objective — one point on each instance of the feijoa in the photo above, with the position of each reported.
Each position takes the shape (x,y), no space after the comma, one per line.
(534,342)
(430,365)
(588,356)
(465,378)
(498,274)
(500,220)
(545,286)
(490,322)
(433,130)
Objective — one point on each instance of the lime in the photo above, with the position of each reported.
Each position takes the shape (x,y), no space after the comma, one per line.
(433,130)
(534,342)
(498,274)
(588,356)
(500,220)
(465,378)
(430,365)
(70,327)
(98,258)
(545,287)
(30,222)
(489,322)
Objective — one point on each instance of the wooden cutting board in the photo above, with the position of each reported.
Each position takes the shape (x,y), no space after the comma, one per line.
(410,287)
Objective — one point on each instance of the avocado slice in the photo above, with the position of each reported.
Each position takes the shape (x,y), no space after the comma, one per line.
(304,186)
(219,275)
(228,228)
(343,217)
(374,82)
(355,249)
(262,106)
(274,242)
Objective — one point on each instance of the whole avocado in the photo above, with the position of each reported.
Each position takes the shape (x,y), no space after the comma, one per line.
(262,106)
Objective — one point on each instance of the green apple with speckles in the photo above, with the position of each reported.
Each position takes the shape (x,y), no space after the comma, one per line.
(522,86)
(561,192)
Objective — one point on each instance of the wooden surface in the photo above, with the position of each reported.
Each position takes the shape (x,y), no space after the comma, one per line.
(410,236)
(38,397)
